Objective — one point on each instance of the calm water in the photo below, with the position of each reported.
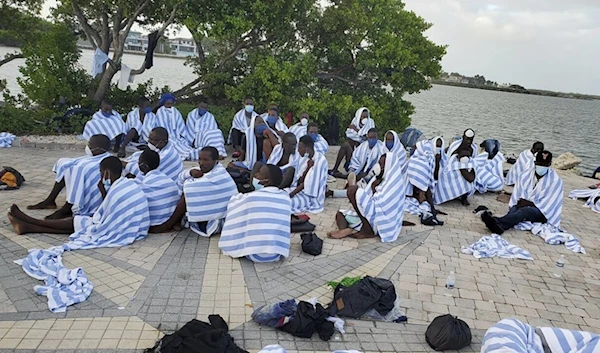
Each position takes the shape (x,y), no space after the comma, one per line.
(517,120)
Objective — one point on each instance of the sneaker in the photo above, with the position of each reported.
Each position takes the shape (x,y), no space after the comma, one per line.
(351,178)
(491,223)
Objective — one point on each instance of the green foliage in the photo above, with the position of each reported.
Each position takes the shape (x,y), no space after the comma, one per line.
(51,70)
(19,25)
(22,121)
(223,114)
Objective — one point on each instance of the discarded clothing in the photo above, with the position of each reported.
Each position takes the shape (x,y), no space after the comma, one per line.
(368,293)
(552,235)
(273,348)
(125,78)
(514,336)
(307,320)
(274,315)
(199,337)
(100,58)
(63,287)
(592,196)
(494,245)
(6,139)
(346,282)
(10,178)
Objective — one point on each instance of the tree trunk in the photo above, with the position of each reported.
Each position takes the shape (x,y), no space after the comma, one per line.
(104,84)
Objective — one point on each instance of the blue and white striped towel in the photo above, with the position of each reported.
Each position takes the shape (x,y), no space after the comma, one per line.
(203,131)
(552,235)
(111,126)
(421,167)
(525,164)
(6,139)
(398,149)
(364,157)
(590,195)
(277,154)
(489,173)
(546,193)
(312,197)
(451,184)
(239,123)
(162,193)
(494,245)
(170,163)
(360,135)
(171,119)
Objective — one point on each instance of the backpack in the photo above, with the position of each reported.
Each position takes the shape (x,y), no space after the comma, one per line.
(242,180)
(311,244)
(10,179)
(447,332)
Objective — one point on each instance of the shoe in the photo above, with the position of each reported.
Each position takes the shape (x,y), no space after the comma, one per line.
(235,155)
(351,178)
(331,179)
(491,223)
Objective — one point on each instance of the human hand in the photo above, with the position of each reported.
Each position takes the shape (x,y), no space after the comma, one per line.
(196,173)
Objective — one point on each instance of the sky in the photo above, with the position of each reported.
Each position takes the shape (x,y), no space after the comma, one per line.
(543,44)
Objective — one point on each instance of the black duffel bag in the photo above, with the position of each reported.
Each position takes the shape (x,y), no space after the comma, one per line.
(368,293)
(448,333)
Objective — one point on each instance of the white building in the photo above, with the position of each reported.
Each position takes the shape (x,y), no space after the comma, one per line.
(183,47)
(135,41)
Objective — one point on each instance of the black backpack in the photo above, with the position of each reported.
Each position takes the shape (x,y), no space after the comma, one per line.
(447,332)
(311,244)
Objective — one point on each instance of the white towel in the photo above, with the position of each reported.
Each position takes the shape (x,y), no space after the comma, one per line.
(421,167)
(239,123)
(6,139)
(170,163)
(552,235)
(100,58)
(525,164)
(361,134)
(591,195)
(398,149)
(279,124)
(162,193)
(257,225)
(111,126)
(312,197)
(494,245)
(546,193)
(126,77)
(299,130)
(277,154)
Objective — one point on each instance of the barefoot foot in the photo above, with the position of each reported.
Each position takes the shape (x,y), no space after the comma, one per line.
(60,214)
(44,205)
(360,235)
(17,225)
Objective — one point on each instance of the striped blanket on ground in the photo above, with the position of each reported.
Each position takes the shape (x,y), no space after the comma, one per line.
(121,219)
(171,119)
(592,196)
(257,225)
(514,336)
(170,163)
(111,126)
(206,199)
(6,139)
(277,154)
(312,197)
(364,157)
(162,193)
(546,193)
(494,245)
(384,209)
(203,131)
(525,164)
(451,184)
(552,235)
(81,178)
(489,174)
(363,129)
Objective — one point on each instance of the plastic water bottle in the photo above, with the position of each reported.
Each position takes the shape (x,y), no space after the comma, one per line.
(560,266)
(450,282)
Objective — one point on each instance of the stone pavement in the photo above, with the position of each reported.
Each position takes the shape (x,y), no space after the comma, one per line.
(156,285)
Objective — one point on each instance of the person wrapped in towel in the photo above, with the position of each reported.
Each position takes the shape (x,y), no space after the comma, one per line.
(274,121)
(239,125)
(284,155)
(121,219)
(310,128)
(301,127)
(307,180)
(592,196)
(203,130)
(257,224)
(161,191)
(106,122)
(378,207)
(463,143)
(253,145)
(514,336)
(393,144)
(356,133)
(170,162)
(137,131)
(457,178)
(423,170)
(80,178)
(169,117)
(525,163)
(206,193)
(489,173)
(537,198)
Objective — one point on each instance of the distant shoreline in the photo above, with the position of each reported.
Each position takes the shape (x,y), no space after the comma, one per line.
(535,92)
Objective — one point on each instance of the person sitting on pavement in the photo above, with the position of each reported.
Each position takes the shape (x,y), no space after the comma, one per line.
(456,179)
(525,163)
(356,133)
(169,117)
(106,122)
(239,125)
(137,131)
(203,131)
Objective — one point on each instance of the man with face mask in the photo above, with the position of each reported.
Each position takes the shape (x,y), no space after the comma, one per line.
(138,131)
(241,122)
(456,179)
(393,144)
(203,131)
(80,177)
(423,170)
(365,157)
(106,122)
(537,198)
(301,127)
(321,144)
(160,190)
(356,133)
(169,117)
(525,163)
(170,161)
(121,218)
(274,121)
(306,181)
(206,192)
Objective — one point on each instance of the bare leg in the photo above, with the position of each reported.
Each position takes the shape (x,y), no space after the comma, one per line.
(340,221)
(267,148)
(174,220)
(348,151)
(63,212)
(344,227)
(21,227)
(342,153)
(288,178)
(65,224)
(131,135)
(50,202)
(366,230)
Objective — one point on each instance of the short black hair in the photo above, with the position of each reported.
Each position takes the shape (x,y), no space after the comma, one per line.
(151,158)
(288,137)
(538,143)
(143,100)
(275,108)
(311,124)
(275,175)
(307,141)
(214,154)
(101,141)
(112,164)
(106,101)
(203,99)
(372,130)
(544,157)
(248,97)
(161,132)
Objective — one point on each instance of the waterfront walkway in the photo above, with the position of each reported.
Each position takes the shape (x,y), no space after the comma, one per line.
(156,285)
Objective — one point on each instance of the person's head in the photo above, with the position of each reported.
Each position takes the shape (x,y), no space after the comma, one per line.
(313,131)
(144,105)
(259,126)
(543,161)
(272,115)
(149,161)
(208,159)
(167,100)
(158,138)
(389,140)
(203,105)
(248,103)
(98,144)
(537,147)
(364,114)
(106,107)
(372,137)
(289,143)
(468,136)
(306,145)
(304,118)
(110,169)
(269,175)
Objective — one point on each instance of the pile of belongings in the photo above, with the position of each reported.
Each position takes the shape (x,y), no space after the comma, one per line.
(10,179)
(369,298)
(301,319)
(199,337)
(275,348)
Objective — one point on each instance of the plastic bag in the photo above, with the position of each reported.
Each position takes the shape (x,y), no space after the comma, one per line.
(447,332)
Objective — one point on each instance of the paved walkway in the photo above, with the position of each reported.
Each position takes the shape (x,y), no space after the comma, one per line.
(156,285)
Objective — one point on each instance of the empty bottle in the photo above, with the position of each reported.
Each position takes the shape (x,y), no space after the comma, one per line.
(560,266)
(450,281)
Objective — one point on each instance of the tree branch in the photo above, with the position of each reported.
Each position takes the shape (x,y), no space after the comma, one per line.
(135,15)
(10,57)
(105,32)
(92,35)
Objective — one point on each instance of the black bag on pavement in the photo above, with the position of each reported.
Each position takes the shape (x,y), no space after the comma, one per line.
(368,293)
(308,320)
(299,225)
(242,180)
(447,332)
(311,244)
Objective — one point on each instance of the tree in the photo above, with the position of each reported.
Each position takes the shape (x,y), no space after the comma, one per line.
(20,25)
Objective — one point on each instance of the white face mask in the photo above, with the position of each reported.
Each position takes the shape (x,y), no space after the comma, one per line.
(364,121)
(303,121)
(256,184)
(376,170)
(88,151)
(153,148)
(464,160)
(541,170)
(438,150)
